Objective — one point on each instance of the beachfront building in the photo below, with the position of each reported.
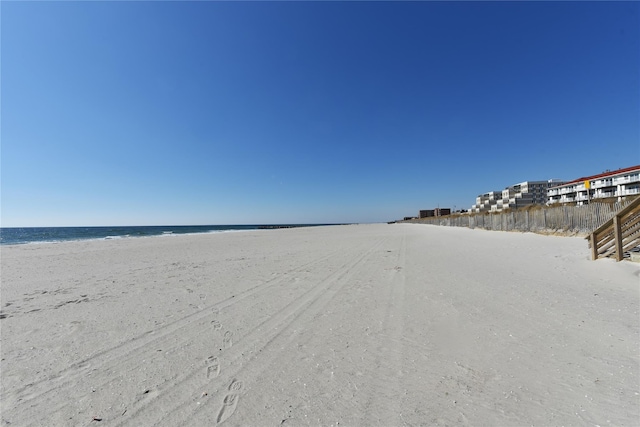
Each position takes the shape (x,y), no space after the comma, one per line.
(427,213)
(485,202)
(527,193)
(613,185)
(515,196)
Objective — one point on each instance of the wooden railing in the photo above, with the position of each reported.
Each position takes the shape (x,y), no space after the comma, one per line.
(617,235)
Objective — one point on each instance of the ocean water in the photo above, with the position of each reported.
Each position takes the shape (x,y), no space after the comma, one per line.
(16,236)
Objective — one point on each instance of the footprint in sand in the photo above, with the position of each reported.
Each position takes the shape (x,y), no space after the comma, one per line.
(230,402)
(213,367)
(216,325)
(236,386)
(227,340)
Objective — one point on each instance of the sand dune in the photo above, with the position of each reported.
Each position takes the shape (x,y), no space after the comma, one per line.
(363,325)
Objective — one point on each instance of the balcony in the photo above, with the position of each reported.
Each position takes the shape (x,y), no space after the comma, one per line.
(603,194)
(626,179)
(568,190)
(602,184)
(629,192)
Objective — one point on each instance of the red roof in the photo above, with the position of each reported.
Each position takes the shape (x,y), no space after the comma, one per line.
(602,175)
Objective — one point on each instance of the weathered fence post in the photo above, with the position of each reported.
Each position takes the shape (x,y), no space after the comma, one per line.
(617,236)
(594,246)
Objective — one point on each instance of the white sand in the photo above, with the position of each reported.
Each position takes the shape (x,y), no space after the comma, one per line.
(354,325)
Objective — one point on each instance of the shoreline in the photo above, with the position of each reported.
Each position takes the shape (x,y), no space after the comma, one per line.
(29,235)
(116,237)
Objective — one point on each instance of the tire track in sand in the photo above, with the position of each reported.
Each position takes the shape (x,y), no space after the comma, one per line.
(124,358)
(269,334)
(383,406)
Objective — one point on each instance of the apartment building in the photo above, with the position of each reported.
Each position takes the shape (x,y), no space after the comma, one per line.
(426,213)
(485,202)
(515,196)
(611,184)
(527,193)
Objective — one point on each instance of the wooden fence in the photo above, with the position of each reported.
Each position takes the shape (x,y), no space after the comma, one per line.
(617,235)
(567,219)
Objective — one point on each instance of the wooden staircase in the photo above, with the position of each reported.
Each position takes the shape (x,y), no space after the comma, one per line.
(621,233)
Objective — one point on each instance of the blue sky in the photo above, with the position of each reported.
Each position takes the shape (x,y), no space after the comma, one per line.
(146,113)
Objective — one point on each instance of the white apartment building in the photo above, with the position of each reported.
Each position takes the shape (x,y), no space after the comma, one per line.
(484,202)
(515,196)
(619,184)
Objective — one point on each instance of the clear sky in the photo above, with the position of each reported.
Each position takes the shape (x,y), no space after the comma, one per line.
(150,113)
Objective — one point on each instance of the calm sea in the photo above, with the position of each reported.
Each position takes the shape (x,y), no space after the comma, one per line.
(16,236)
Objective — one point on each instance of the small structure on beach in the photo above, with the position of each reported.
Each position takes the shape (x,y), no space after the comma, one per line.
(427,213)
(618,236)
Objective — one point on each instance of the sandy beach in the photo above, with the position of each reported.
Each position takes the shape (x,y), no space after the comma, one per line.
(362,325)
